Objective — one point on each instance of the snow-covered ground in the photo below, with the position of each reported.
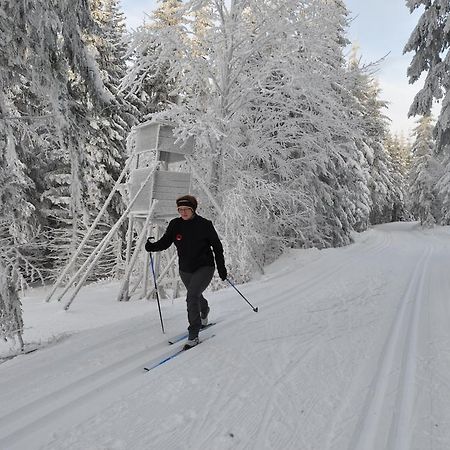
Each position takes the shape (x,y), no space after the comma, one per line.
(350,349)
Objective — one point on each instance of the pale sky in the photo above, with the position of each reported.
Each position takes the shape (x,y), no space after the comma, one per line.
(379,27)
(383,27)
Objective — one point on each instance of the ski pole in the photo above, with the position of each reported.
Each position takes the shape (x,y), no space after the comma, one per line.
(237,290)
(157,294)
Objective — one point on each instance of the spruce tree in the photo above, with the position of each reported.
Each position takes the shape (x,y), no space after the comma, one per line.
(151,54)
(430,42)
(351,195)
(424,172)
(374,128)
(107,129)
(103,123)
(382,180)
(399,152)
(44,58)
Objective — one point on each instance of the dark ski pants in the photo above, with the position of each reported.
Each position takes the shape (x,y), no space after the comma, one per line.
(196,283)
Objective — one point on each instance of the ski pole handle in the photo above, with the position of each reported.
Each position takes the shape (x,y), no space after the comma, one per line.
(255,309)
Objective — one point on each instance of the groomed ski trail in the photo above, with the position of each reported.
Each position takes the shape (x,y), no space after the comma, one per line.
(400,348)
(349,350)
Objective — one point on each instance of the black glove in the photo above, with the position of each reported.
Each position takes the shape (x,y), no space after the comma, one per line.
(222,273)
(149,246)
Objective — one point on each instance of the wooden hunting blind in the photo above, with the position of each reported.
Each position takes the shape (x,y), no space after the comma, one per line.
(159,137)
(153,181)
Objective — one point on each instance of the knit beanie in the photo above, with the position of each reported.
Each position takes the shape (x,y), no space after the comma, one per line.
(187,200)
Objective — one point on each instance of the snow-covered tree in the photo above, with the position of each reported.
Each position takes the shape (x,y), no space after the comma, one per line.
(374,130)
(150,54)
(424,172)
(352,197)
(57,99)
(106,129)
(399,152)
(20,264)
(91,158)
(430,42)
(11,325)
(41,44)
(265,92)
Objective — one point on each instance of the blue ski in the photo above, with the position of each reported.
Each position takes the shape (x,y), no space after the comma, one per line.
(160,360)
(185,335)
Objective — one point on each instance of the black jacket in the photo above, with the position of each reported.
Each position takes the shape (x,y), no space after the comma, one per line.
(193,239)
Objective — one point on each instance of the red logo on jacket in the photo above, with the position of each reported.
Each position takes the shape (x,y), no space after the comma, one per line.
(178,237)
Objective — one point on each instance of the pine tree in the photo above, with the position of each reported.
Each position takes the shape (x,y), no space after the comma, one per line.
(103,119)
(151,54)
(430,42)
(374,128)
(425,170)
(108,128)
(22,122)
(400,156)
(44,58)
(352,198)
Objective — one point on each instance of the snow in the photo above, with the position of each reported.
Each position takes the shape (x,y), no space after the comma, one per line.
(350,349)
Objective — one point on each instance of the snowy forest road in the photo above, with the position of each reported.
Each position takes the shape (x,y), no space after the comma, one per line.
(350,350)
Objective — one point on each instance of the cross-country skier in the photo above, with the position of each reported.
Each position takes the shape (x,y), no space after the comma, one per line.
(195,239)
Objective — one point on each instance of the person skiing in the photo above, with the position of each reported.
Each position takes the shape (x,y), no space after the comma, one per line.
(195,239)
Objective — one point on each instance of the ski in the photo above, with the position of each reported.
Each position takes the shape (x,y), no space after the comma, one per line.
(182,336)
(160,360)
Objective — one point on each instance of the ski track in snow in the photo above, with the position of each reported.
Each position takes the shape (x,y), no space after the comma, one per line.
(387,418)
(350,351)
(400,346)
(33,415)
